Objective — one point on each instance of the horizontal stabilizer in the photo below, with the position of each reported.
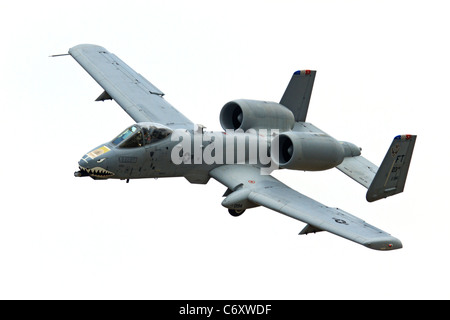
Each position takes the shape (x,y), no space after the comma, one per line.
(298,93)
(391,176)
(359,169)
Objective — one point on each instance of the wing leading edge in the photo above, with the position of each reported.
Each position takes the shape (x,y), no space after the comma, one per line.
(267,191)
(136,95)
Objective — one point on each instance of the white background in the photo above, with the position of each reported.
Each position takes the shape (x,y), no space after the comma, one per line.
(383,69)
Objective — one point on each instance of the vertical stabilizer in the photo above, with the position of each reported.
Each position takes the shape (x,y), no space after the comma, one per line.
(298,93)
(391,176)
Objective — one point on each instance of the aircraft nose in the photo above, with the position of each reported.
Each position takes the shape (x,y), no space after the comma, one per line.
(84,161)
(83,165)
(95,164)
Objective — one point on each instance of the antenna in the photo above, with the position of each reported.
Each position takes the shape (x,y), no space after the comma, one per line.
(58,55)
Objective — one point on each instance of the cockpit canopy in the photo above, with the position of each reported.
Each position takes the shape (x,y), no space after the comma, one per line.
(141,134)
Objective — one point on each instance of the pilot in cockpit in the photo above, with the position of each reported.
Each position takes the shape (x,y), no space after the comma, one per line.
(147,136)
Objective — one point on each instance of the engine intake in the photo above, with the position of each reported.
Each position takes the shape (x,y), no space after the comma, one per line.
(253,114)
(306,151)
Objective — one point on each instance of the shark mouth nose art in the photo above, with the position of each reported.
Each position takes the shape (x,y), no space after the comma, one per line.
(96,172)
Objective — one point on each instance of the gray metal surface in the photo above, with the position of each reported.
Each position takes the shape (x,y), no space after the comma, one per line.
(391,176)
(298,93)
(359,169)
(271,193)
(142,100)
(164,143)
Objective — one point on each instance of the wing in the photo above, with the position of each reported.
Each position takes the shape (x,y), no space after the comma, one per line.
(269,192)
(137,96)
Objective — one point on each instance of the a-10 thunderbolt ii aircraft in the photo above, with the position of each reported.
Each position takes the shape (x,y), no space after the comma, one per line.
(259,137)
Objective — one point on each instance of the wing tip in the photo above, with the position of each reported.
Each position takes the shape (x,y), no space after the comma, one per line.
(384,244)
(85,46)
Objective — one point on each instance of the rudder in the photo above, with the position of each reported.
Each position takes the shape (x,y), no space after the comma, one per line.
(298,93)
(391,176)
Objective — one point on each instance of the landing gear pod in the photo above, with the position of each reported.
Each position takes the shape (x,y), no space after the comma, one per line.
(236,212)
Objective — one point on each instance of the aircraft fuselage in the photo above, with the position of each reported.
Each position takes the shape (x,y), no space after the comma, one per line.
(192,154)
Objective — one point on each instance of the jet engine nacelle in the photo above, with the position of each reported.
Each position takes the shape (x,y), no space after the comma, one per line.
(253,114)
(307,151)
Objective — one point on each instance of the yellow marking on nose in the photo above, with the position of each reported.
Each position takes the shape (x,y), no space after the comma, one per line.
(98,152)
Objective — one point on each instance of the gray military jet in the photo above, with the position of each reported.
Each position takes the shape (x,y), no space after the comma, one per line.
(258,137)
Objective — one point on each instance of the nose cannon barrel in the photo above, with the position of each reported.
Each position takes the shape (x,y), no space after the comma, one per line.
(81,173)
